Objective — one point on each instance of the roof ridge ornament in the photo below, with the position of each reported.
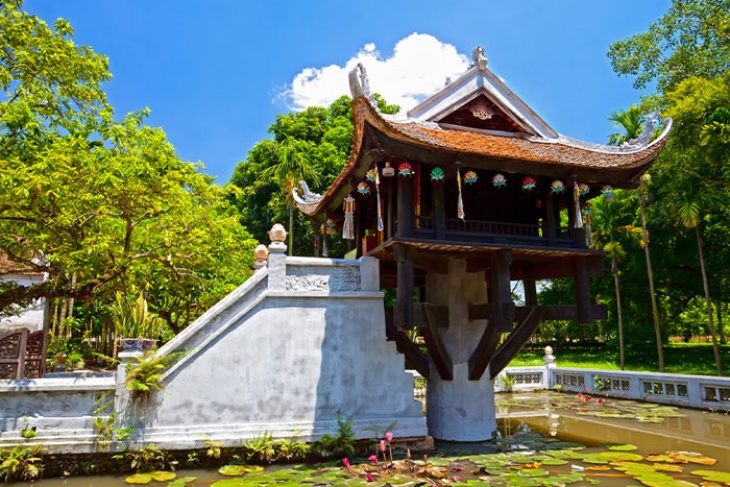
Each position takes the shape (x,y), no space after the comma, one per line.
(359,84)
(645,136)
(479,58)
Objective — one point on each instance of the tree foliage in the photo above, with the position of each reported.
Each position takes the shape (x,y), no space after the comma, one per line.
(313,144)
(692,39)
(101,205)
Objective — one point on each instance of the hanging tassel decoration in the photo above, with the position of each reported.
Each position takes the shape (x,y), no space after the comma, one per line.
(459,201)
(578,223)
(348,228)
(381,227)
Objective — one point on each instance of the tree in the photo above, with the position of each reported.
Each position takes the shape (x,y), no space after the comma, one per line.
(319,140)
(108,205)
(292,165)
(689,208)
(691,40)
(632,122)
(611,227)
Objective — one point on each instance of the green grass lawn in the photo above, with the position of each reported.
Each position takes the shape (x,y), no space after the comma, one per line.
(679,358)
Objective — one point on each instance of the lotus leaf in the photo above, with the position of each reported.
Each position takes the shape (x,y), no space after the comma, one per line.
(691,457)
(233,470)
(534,472)
(517,480)
(663,480)
(663,467)
(139,479)
(161,476)
(622,447)
(713,476)
(230,483)
(662,458)
(181,482)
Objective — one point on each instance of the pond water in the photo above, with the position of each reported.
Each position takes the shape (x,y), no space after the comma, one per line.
(652,445)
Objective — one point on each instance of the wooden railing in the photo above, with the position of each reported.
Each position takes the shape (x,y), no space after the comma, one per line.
(487,231)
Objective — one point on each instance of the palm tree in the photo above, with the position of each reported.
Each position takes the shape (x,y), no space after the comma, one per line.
(632,122)
(689,208)
(611,224)
(643,192)
(292,165)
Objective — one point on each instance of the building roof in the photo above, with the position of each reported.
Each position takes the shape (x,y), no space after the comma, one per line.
(479,122)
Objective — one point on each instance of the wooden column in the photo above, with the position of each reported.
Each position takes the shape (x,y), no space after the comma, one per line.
(403,315)
(500,293)
(582,290)
(551,230)
(439,210)
(405,207)
(530,287)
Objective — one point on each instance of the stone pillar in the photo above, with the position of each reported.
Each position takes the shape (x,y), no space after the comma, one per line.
(123,403)
(460,409)
(277,258)
(549,359)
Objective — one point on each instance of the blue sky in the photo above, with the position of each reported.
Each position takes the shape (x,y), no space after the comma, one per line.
(215,73)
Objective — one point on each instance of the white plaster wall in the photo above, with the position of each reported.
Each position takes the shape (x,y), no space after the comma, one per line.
(31,317)
(286,366)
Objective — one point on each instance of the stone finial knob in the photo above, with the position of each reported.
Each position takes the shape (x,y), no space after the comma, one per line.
(261,252)
(549,358)
(277,233)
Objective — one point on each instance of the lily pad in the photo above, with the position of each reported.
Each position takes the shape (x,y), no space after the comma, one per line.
(139,479)
(665,467)
(162,476)
(713,476)
(692,457)
(182,482)
(233,470)
(230,483)
(627,447)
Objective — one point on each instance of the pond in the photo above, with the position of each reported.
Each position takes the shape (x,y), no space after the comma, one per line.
(546,440)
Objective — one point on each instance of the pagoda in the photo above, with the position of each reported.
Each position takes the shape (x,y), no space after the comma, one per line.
(467,192)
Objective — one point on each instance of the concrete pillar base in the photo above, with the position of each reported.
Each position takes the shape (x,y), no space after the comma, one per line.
(460,409)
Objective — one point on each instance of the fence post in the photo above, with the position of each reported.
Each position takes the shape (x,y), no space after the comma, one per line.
(549,358)
(277,258)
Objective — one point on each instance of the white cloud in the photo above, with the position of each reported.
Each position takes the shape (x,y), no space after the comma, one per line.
(418,68)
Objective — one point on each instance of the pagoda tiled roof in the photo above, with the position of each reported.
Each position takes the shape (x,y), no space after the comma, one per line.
(540,154)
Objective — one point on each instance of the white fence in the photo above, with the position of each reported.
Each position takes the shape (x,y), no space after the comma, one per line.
(693,391)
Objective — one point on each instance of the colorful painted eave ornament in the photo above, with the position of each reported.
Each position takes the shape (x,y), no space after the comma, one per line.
(583,189)
(370,175)
(470,177)
(437,174)
(528,184)
(363,188)
(331,226)
(499,181)
(405,169)
(557,187)
(608,194)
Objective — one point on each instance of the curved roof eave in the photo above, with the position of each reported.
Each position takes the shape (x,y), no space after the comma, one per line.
(563,151)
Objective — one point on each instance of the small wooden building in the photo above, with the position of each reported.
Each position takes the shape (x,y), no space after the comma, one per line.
(473,179)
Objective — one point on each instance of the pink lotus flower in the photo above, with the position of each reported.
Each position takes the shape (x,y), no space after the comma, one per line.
(369,478)
(373,459)
(600,400)
(346,461)
(388,436)
(425,458)
(382,446)
(457,479)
